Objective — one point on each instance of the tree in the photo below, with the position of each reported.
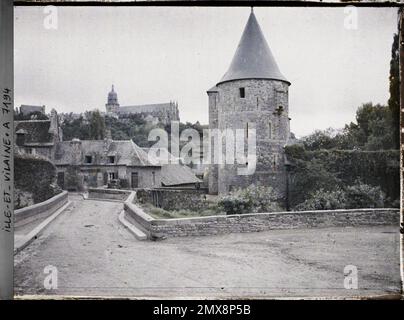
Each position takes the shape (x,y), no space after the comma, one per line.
(322,139)
(74,126)
(394,100)
(97,125)
(373,130)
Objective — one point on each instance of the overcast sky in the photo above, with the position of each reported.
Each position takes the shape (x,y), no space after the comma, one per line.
(155,55)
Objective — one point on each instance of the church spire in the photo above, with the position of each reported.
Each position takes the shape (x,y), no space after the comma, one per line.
(112,97)
(253,58)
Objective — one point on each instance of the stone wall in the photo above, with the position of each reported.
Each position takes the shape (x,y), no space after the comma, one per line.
(213,124)
(265,109)
(108,194)
(188,199)
(40,210)
(202,226)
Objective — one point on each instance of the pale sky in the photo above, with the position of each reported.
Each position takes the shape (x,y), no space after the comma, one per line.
(158,54)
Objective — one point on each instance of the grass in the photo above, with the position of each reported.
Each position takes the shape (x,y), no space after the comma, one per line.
(159,213)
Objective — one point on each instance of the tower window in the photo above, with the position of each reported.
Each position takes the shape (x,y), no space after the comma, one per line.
(279,110)
(269,130)
(246,130)
(242,92)
(275,162)
(111,159)
(89,159)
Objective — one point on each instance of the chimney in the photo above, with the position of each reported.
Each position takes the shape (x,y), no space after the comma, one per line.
(77,151)
(107,140)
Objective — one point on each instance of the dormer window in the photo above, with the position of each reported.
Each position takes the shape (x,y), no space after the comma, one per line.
(111,159)
(88,159)
(242,92)
(269,130)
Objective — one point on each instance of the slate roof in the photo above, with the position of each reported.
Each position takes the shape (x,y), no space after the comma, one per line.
(175,174)
(146,108)
(126,152)
(213,89)
(27,109)
(253,58)
(36,131)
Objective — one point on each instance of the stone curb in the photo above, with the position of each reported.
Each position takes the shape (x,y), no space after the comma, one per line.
(139,235)
(107,200)
(28,238)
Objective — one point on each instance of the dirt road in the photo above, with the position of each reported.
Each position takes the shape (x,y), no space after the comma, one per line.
(95,255)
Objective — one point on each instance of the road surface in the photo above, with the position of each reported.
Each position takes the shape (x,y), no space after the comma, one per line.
(96,256)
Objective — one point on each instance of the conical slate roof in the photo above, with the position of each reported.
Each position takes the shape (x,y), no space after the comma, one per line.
(253,58)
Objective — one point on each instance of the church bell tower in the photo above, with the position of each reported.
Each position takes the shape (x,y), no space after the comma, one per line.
(112,105)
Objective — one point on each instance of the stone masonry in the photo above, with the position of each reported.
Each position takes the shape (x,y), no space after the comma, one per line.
(253,94)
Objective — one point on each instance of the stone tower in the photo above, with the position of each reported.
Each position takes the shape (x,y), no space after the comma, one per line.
(253,94)
(112,105)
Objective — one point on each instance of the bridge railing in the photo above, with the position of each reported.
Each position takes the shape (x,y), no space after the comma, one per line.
(40,210)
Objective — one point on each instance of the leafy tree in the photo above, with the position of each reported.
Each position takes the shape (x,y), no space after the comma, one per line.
(97,125)
(394,100)
(322,139)
(372,131)
(308,175)
(75,127)
(329,169)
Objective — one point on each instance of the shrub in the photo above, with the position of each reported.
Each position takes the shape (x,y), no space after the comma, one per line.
(22,198)
(324,200)
(362,195)
(124,183)
(357,196)
(325,169)
(249,200)
(158,212)
(36,177)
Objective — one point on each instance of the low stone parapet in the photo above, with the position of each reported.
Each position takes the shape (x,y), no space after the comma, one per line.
(174,198)
(213,225)
(108,194)
(40,210)
(138,215)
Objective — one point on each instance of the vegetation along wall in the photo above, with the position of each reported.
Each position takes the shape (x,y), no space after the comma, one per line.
(35,180)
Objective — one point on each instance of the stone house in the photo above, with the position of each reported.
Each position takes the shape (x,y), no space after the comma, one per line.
(28,109)
(38,137)
(176,175)
(95,163)
(253,94)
